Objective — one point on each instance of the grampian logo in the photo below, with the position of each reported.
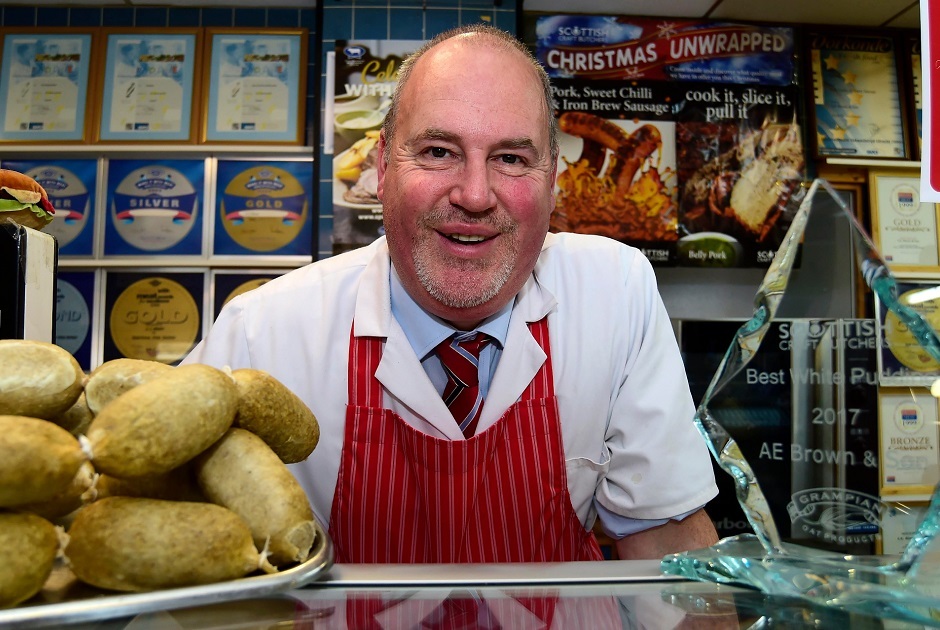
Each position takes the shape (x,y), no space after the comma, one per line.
(836,515)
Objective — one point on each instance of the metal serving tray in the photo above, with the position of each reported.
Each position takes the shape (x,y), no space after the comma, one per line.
(95,605)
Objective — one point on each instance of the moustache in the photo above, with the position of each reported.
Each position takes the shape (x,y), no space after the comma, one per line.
(492,220)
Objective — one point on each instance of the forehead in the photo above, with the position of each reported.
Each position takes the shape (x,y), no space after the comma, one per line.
(475,83)
(460,61)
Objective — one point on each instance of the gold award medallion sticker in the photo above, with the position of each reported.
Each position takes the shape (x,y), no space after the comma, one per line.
(156,319)
(263,208)
(901,341)
(245,287)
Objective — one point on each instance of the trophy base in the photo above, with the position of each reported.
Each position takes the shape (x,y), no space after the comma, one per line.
(864,584)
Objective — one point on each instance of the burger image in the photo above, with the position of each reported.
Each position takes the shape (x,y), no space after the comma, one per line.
(70,197)
(24,201)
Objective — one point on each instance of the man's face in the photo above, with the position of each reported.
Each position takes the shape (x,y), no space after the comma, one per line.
(468,187)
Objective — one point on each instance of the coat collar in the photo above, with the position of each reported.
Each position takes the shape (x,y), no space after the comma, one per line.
(373,316)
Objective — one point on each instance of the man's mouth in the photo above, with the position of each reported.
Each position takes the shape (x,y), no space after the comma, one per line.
(466,238)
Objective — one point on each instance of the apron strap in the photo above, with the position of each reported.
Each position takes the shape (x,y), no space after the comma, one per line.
(365,354)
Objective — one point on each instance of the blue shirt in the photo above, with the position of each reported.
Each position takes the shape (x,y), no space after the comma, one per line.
(425,332)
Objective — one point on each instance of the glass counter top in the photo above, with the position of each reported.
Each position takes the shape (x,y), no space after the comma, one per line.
(611,594)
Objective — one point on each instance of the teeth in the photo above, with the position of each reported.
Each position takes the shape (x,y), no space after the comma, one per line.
(466,238)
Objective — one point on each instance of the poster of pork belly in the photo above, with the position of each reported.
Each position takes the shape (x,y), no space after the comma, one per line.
(637,74)
(740,162)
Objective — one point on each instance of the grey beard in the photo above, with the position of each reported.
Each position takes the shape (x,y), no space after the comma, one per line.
(466,299)
(448,295)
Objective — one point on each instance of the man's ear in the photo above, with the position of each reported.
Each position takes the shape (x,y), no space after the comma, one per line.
(554,180)
(380,165)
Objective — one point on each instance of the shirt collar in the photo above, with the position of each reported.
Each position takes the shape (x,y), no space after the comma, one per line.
(425,331)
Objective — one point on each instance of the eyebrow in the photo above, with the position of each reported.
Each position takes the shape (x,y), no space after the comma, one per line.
(433,133)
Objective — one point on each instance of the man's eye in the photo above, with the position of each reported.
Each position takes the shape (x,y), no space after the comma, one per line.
(511,159)
(438,152)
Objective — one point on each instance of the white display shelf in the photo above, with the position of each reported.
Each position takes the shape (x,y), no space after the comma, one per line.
(872,162)
(252,262)
(906,498)
(21,150)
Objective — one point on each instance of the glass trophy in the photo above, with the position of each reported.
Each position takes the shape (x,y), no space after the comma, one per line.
(826,425)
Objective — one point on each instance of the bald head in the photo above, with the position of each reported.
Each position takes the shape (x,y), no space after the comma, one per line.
(473,35)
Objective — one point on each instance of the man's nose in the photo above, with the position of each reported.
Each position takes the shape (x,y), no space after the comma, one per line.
(473,190)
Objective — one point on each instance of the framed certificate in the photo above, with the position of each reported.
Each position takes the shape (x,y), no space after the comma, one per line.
(904,229)
(858,102)
(899,524)
(149,86)
(257,86)
(902,360)
(228,284)
(44,85)
(75,314)
(907,420)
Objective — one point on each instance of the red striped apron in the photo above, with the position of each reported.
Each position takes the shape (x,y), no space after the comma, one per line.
(502,496)
(403,496)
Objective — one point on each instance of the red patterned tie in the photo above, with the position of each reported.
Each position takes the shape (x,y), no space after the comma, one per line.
(460,357)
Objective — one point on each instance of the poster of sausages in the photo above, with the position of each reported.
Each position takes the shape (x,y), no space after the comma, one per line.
(664,122)
(617,175)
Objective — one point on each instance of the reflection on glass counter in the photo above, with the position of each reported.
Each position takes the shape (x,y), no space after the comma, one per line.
(616,594)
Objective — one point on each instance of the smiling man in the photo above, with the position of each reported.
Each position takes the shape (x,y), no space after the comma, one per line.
(485,390)
(468,177)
